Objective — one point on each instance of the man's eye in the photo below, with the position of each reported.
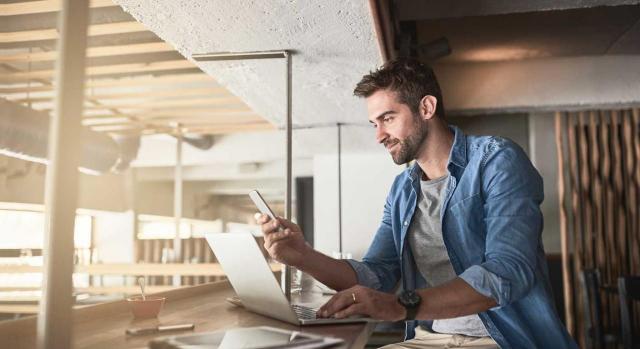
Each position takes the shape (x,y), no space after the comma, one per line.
(387,119)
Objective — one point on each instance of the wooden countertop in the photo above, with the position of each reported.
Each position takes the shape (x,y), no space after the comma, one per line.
(104,325)
(200,269)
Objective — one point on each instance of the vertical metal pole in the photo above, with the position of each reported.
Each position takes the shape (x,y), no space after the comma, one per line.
(286,275)
(55,320)
(340,189)
(285,280)
(132,213)
(177,205)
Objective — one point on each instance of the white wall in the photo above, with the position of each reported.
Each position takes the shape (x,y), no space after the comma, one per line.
(543,155)
(114,240)
(366,179)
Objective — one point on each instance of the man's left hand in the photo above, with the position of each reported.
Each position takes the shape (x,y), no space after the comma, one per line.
(360,300)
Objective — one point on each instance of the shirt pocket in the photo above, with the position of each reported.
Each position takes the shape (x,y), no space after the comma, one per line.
(466,230)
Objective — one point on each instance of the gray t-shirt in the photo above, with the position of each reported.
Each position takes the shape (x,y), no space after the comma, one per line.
(430,254)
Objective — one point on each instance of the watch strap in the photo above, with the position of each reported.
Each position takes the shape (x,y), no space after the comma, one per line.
(410,300)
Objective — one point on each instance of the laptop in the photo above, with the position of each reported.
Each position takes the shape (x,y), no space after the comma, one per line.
(256,285)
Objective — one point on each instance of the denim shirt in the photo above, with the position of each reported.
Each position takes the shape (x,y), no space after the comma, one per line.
(491,227)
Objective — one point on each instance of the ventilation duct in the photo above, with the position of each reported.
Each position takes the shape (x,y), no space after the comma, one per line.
(202,142)
(24,134)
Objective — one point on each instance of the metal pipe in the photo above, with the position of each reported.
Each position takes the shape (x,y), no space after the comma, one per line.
(340,189)
(286,54)
(234,56)
(383,28)
(287,196)
(177,205)
(61,184)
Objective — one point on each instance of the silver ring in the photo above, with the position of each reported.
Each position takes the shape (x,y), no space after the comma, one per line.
(353,295)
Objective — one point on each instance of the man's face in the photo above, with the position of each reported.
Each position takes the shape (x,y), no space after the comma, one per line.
(397,127)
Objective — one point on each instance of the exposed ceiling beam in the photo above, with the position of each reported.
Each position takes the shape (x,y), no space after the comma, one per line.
(32,7)
(115,120)
(103,70)
(170,114)
(52,34)
(183,122)
(183,92)
(212,102)
(102,51)
(568,83)
(137,129)
(266,126)
(384,28)
(120,82)
(434,9)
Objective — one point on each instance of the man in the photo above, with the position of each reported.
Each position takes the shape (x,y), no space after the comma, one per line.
(461,231)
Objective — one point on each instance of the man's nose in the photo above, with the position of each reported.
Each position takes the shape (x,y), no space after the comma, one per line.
(381,135)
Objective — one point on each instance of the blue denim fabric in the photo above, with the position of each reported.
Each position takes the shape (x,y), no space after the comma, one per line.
(491,225)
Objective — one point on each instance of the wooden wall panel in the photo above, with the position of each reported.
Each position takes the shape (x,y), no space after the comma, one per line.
(601,226)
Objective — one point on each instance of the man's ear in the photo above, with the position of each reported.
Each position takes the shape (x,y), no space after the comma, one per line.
(427,107)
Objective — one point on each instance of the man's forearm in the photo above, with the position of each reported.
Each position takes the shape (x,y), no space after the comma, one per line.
(452,299)
(334,273)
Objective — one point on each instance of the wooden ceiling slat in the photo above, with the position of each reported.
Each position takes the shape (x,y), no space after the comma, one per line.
(196,106)
(101,51)
(168,103)
(137,129)
(168,114)
(230,129)
(183,93)
(185,122)
(185,110)
(52,34)
(140,81)
(43,6)
(103,70)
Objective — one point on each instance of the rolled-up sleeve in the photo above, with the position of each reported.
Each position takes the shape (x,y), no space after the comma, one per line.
(513,191)
(487,284)
(366,276)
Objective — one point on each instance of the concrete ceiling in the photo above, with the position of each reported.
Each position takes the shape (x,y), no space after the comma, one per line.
(334,44)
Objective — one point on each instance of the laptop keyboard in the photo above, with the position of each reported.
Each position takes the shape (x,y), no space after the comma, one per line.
(303,312)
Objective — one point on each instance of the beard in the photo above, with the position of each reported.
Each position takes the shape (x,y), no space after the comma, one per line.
(409,147)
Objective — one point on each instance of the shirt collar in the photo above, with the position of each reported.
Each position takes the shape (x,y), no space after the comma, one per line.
(457,156)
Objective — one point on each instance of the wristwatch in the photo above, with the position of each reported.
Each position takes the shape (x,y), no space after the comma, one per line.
(410,300)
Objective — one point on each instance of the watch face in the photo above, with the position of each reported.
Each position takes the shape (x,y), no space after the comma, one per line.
(410,298)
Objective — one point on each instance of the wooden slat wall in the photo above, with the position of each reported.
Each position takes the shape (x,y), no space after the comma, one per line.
(599,156)
(194,250)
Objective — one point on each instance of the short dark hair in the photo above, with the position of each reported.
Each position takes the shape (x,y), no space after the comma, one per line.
(409,78)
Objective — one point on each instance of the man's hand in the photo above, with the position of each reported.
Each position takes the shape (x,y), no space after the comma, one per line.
(360,300)
(285,245)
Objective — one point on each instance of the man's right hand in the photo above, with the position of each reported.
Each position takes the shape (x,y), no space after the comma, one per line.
(286,245)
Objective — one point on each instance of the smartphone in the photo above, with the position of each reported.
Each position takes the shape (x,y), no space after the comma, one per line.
(261,204)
